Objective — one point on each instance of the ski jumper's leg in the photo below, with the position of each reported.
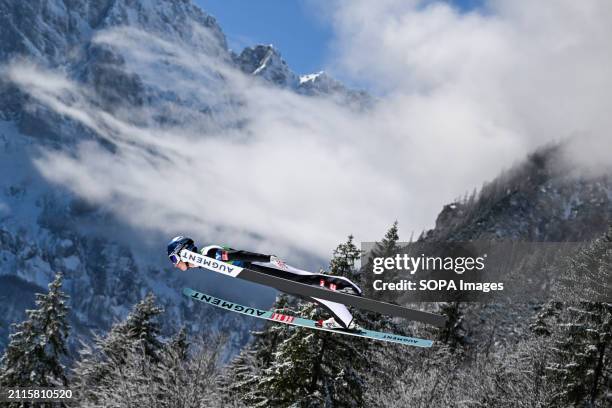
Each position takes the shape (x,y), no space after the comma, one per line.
(339,311)
(280,269)
(340,281)
(276,267)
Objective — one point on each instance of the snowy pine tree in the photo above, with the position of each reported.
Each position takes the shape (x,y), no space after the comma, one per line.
(132,367)
(374,320)
(191,380)
(583,355)
(266,340)
(590,272)
(541,325)
(314,369)
(388,245)
(385,248)
(453,333)
(582,340)
(238,383)
(179,344)
(343,261)
(242,374)
(34,353)
(141,326)
(167,382)
(139,332)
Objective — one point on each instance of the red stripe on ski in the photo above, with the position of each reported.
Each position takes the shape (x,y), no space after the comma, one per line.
(282,317)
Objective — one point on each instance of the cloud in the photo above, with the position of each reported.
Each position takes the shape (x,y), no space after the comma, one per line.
(282,172)
(464,96)
(518,74)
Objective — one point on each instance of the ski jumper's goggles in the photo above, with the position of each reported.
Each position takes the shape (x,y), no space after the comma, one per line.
(174,258)
(175,255)
(177,245)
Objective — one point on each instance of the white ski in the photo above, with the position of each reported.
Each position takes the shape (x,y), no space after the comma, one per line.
(298,321)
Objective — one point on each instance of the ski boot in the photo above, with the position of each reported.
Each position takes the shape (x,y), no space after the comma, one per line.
(331,323)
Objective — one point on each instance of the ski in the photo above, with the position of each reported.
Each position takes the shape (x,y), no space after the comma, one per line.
(302,289)
(301,322)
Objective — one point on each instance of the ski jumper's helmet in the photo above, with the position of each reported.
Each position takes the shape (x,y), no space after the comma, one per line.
(177,244)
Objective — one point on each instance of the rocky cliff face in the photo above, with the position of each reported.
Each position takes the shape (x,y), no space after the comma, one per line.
(537,200)
(264,61)
(54,31)
(44,228)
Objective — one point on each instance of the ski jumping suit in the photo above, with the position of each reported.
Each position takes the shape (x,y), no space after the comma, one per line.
(271,265)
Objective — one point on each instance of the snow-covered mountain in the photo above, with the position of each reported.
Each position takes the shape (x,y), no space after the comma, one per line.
(44,229)
(264,61)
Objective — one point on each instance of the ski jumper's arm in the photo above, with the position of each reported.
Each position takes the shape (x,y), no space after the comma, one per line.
(230,255)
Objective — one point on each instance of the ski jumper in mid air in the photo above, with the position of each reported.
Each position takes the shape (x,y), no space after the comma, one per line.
(271,265)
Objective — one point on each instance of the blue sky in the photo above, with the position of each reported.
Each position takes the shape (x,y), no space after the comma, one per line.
(292,26)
